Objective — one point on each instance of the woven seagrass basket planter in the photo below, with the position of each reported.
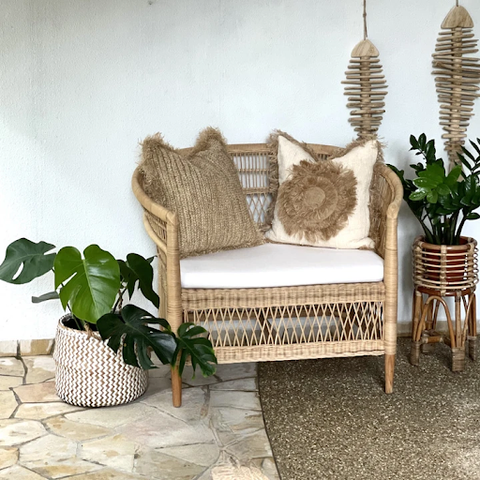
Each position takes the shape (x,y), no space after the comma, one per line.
(89,374)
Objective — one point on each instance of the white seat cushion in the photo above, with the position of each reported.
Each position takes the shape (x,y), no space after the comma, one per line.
(274,265)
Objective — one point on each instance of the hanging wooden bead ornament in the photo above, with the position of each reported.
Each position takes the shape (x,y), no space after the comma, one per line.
(366,86)
(457,77)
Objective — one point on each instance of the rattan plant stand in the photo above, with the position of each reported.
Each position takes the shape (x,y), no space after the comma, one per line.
(441,271)
(284,323)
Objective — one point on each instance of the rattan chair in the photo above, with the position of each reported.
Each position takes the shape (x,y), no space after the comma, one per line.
(316,321)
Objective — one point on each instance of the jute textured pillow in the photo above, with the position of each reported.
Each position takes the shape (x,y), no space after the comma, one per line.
(204,189)
(323,203)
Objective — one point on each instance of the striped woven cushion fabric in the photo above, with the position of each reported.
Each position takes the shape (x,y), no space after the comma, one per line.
(204,189)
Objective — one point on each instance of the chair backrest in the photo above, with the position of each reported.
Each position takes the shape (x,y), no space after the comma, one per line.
(253,164)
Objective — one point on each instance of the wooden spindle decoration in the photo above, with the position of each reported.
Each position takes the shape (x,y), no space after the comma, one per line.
(366,87)
(457,77)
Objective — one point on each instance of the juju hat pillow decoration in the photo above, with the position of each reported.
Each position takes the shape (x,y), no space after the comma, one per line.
(323,203)
(204,189)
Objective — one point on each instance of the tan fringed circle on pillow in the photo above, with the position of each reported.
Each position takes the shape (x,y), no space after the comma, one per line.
(317,199)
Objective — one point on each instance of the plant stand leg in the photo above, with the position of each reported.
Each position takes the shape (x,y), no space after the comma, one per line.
(415,353)
(458,359)
(176,388)
(428,348)
(472,329)
(472,348)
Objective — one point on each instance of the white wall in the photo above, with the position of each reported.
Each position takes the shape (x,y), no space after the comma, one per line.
(83,81)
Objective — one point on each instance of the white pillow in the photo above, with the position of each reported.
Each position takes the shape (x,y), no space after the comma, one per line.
(316,199)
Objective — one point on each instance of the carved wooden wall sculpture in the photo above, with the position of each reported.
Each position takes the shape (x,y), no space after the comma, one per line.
(366,87)
(457,77)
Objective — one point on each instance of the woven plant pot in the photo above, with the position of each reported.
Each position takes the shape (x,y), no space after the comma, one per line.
(89,373)
(445,268)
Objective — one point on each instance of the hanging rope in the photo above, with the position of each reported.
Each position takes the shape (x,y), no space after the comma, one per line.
(365,33)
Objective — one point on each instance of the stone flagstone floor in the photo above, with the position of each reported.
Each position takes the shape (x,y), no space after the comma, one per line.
(220,423)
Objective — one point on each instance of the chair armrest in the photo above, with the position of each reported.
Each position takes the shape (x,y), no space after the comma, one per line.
(385,202)
(162,227)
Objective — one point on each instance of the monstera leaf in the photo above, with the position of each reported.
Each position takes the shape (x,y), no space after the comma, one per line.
(138,270)
(131,329)
(192,344)
(88,285)
(28,255)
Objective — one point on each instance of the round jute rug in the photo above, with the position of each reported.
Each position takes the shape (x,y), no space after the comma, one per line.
(329,419)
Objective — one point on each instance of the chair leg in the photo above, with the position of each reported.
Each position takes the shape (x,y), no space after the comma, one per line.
(176,388)
(389,370)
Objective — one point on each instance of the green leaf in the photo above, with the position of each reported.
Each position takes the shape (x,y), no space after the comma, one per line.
(414,143)
(427,183)
(46,296)
(422,139)
(467,153)
(432,197)
(28,255)
(91,283)
(132,329)
(473,216)
(453,176)
(443,190)
(198,348)
(142,271)
(475,146)
(420,194)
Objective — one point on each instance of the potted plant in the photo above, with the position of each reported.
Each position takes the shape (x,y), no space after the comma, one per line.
(93,288)
(444,261)
(441,201)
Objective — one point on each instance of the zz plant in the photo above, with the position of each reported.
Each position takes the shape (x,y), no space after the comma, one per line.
(441,201)
(93,288)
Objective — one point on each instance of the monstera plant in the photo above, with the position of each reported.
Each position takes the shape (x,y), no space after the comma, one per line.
(442,201)
(93,288)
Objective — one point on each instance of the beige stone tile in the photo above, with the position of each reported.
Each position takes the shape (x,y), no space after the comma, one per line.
(75,430)
(37,392)
(11,366)
(8,404)
(157,385)
(36,347)
(112,417)
(207,475)
(16,472)
(193,407)
(116,452)
(162,430)
(40,411)
(268,467)
(236,370)
(245,400)
(243,385)
(8,456)
(8,348)
(16,432)
(204,455)
(108,474)
(54,457)
(199,379)
(39,368)
(236,420)
(250,447)
(157,466)
(6,381)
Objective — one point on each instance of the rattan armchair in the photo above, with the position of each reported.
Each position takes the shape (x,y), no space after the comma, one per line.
(284,323)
